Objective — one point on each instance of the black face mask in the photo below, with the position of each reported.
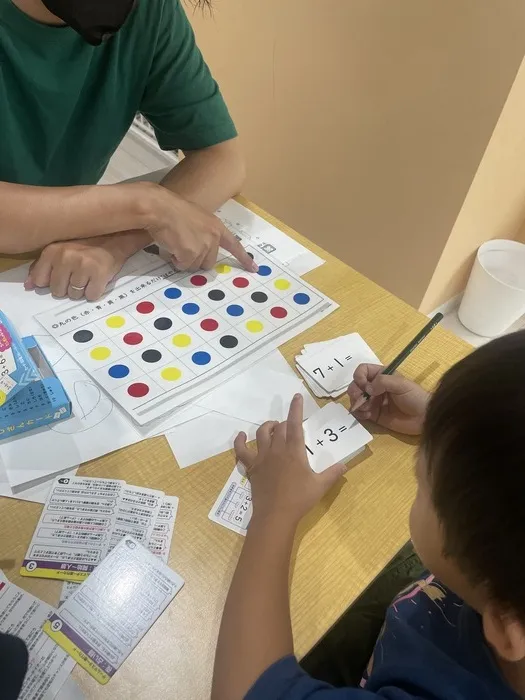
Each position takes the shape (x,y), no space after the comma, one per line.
(95,20)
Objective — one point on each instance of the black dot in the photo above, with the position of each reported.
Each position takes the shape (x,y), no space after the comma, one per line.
(151,355)
(259,297)
(229,341)
(251,255)
(216,295)
(163,324)
(83,336)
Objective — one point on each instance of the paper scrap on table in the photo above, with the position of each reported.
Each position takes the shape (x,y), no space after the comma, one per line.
(107,616)
(206,437)
(251,228)
(329,367)
(258,395)
(159,542)
(23,615)
(37,492)
(331,435)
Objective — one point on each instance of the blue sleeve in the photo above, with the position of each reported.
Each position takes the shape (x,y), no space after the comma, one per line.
(286,680)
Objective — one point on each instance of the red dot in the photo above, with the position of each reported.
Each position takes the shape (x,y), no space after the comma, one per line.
(133,338)
(145,307)
(278,312)
(209,324)
(198,280)
(240,282)
(138,390)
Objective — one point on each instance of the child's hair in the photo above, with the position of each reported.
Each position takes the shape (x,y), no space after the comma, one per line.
(474,443)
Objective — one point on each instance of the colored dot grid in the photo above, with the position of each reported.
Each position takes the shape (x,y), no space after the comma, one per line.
(181,340)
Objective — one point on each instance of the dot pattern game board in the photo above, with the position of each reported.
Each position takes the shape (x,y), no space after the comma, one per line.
(162,338)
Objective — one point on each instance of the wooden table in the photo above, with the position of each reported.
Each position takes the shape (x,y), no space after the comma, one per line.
(341,547)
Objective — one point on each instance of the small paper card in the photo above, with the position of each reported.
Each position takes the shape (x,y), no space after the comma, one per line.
(106,617)
(73,533)
(333,366)
(137,513)
(233,507)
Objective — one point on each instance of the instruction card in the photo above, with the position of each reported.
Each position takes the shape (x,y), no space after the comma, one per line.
(23,615)
(159,542)
(331,435)
(107,616)
(74,531)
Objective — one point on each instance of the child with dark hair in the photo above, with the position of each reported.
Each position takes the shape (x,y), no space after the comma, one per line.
(459,632)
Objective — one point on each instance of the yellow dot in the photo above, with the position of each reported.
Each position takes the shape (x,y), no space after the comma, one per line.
(115,321)
(282,285)
(3,397)
(222,269)
(181,341)
(171,374)
(254,326)
(100,353)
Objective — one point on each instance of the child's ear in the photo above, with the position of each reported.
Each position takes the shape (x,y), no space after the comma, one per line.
(504,632)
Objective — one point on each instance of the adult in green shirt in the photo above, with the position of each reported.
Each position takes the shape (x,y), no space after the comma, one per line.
(73,74)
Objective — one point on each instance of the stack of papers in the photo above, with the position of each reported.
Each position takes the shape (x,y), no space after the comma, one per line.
(85,518)
(328,367)
(331,434)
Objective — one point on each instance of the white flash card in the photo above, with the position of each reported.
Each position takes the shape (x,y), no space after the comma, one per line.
(233,507)
(73,533)
(333,367)
(107,616)
(333,435)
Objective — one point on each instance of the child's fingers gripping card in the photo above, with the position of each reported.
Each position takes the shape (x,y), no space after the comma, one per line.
(107,616)
(73,533)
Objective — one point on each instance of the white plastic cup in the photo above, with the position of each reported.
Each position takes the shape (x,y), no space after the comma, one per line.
(495,295)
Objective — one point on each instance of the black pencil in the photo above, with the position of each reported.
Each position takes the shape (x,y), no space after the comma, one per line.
(391,368)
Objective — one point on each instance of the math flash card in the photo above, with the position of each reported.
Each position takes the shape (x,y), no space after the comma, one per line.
(107,616)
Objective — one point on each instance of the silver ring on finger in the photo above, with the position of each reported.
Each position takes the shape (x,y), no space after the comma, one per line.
(78,289)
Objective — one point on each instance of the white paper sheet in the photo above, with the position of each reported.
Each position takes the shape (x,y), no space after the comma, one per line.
(258,395)
(206,437)
(36,492)
(254,229)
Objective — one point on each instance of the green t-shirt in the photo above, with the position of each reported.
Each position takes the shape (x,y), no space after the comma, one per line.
(65,105)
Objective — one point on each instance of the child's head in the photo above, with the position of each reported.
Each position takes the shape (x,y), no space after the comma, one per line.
(468,519)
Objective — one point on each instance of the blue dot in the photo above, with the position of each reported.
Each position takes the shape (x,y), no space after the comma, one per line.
(172,293)
(301,298)
(264,270)
(190,308)
(201,357)
(118,371)
(235,310)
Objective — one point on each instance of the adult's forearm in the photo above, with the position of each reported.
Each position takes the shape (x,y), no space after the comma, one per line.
(33,217)
(209,177)
(256,629)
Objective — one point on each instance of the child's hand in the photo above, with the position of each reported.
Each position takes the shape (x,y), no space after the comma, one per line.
(283,484)
(396,403)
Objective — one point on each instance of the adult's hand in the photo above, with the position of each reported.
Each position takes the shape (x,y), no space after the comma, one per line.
(191,234)
(83,267)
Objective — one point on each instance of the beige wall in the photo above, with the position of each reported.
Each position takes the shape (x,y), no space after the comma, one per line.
(494,206)
(364,121)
